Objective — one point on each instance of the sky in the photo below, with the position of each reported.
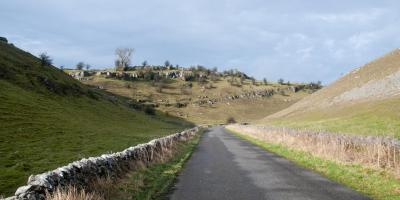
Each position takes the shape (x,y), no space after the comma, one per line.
(297,40)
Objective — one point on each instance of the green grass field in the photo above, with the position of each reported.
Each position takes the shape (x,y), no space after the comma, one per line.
(377,184)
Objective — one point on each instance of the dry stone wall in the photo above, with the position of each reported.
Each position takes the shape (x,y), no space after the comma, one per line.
(83,172)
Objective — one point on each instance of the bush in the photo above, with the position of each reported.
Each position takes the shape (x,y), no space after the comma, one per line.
(230,120)
(3,39)
(149,110)
(45,60)
(180,105)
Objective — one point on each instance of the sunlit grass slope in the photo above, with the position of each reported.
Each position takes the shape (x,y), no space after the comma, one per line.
(368,118)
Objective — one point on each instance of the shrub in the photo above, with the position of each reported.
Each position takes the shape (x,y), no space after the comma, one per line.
(80,65)
(180,105)
(149,110)
(3,39)
(230,120)
(45,60)
(149,75)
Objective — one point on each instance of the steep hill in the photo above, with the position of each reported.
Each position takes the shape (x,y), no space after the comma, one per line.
(48,119)
(365,100)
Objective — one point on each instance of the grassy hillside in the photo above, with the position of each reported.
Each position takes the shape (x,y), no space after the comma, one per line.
(185,104)
(48,119)
(364,101)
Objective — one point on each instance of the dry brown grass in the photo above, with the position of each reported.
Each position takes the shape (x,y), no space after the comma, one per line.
(378,152)
(72,193)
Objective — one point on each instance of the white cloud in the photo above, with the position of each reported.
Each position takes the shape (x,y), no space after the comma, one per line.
(351,17)
(305,53)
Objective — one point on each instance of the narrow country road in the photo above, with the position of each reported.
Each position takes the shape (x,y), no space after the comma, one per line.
(226,167)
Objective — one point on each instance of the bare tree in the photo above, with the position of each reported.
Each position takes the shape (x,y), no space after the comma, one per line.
(123,58)
(45,60)
(88,67)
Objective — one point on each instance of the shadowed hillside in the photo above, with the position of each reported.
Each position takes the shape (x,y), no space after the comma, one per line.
(48,119)
(365,100)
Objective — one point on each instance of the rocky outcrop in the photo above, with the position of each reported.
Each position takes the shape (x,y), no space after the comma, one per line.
(387,87)
(83,172)
(247,95)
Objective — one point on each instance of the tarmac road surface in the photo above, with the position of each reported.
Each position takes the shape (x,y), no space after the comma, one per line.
(224,166)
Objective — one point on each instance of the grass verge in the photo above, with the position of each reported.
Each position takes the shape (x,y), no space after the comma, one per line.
(377,184)
(154,182)
(368,118)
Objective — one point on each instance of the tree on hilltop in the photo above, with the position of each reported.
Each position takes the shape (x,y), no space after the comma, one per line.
(80,65)
(144,63)
(45,59)
(167,63)
(123,58)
